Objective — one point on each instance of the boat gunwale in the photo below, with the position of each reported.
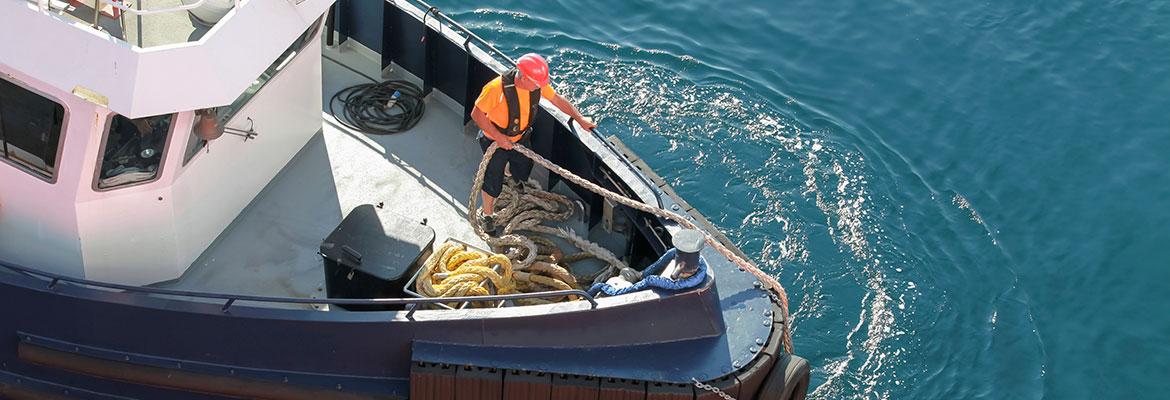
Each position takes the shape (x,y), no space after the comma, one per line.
(143,296)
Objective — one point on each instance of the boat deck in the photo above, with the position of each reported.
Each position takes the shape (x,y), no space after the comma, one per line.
(271,247)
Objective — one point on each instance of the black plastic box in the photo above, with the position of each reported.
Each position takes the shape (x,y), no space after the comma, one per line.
(372,254)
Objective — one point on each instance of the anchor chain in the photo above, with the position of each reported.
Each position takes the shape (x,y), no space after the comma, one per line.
(712,389)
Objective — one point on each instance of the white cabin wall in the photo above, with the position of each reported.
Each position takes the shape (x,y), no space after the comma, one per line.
(128,233)
(38,223)
(220,182)
(230,56)
(63,54)
(150,232)
(156,80)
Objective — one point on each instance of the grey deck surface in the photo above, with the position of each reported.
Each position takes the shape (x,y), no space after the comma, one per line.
(142,31)
(270,249)
(161,29)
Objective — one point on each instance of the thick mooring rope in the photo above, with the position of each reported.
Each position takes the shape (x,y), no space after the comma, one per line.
(767,280)
(523,208)
(456,270)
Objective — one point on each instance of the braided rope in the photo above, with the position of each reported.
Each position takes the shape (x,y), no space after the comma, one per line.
(525,210)
(766,279)
(454,270)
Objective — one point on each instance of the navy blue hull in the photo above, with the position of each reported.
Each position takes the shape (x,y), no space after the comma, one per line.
(668,339)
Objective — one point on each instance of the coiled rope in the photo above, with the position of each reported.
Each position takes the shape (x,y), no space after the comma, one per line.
(781,297)
(524,208)
(652,279)
(453,270)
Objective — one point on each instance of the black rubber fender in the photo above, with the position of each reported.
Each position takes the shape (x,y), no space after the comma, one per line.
(788,379)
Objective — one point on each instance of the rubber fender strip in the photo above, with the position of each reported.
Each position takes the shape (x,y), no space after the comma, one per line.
(177,379)
(18,393)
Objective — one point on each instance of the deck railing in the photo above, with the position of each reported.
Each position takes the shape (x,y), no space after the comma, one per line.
(134,9)
(182,7)
(495,53)
(230,299)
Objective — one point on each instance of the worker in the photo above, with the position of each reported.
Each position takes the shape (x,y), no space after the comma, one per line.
(504,112)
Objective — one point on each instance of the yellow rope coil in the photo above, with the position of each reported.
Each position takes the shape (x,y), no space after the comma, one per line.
(453,270)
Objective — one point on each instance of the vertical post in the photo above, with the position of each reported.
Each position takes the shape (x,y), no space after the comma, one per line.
(429,36)
(330,23)
(688,242)
(97,14)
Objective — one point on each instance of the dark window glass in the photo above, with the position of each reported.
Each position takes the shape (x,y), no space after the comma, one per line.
(133,150)
(30,129)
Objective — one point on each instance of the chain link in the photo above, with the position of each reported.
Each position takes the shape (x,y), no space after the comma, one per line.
(712,389)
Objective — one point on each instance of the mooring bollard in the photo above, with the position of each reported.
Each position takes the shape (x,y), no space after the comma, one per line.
(688,242)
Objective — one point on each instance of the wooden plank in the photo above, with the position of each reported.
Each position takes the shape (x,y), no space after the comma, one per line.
(622,389)
(575,387)
(430,381)
(527,385)
(669,391)
(478,383)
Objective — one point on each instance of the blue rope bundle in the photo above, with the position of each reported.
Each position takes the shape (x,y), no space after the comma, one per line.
(652,279)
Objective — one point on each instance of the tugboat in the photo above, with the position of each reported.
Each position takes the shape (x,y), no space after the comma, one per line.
(194,205)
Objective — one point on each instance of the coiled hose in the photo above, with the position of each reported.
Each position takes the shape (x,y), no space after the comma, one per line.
(379,108)
(368,107)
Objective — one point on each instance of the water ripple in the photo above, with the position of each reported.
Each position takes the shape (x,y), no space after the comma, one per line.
(936,184)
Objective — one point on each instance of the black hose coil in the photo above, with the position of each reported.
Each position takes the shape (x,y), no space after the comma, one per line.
(364,107)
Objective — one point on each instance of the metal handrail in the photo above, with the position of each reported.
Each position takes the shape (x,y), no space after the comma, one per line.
(469,35)
(230,299)
(642,177)
(134,11)
(130,10)
(456,26)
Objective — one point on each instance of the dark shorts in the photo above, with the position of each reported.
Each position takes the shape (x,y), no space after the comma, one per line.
(493,177)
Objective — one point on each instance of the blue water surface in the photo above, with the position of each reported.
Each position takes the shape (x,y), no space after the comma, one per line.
(963,199)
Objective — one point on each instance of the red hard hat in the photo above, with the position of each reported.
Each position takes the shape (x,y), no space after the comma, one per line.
(532,65)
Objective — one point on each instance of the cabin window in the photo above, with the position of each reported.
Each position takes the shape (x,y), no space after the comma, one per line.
(228,112)
(132,151)
(30,129)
